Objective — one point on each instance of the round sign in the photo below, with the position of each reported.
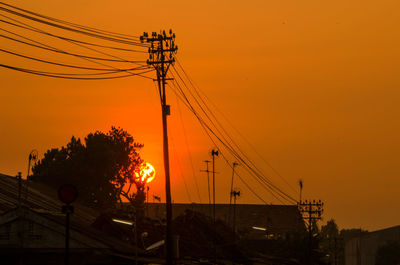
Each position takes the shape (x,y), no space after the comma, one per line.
(67,193)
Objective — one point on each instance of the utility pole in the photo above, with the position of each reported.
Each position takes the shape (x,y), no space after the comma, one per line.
(312,212)
(234,164)
(214,153)
(161,56)
(235,193)
(208,182)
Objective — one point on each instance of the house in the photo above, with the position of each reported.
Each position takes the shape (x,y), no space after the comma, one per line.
(362,250)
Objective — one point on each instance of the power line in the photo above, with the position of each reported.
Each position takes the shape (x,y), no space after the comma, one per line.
(267,184)
(253,168)
(70,66)
(230,138)
(196,89)
(187,149)
(57,75)
(207,131)
(56,50)
(34,29)
(124,36)
(45,47)
(95,35)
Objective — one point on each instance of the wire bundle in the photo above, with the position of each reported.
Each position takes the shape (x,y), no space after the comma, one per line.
(200,105)
(99,54)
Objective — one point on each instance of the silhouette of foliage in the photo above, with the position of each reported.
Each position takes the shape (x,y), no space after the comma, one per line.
(100,168)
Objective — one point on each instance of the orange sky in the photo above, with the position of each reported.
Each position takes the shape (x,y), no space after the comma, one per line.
(313,85)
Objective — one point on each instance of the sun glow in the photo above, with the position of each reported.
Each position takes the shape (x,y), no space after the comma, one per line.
(146,173)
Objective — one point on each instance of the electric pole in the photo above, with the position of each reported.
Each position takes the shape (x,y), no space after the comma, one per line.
(214,153)
(208,181)
(235,193)
(234,164)
(161,56)
(312,212)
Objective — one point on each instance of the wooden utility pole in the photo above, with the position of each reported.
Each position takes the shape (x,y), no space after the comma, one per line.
(161,56)
(312,212)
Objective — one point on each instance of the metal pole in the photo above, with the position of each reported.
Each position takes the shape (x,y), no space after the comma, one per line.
(234,213)
(208,182)
(214,153)
(67,235)
(230,194)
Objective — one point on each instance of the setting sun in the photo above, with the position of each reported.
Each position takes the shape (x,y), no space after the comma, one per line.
(146,173)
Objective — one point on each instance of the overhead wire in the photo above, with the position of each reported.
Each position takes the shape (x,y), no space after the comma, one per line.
(259,175)
(126,36)
(45,47)
(181,97)
(259,171)
(208,130)
(57,75)
(57,50)
(68,65)
(196,89)
(270,186)
(187,150)
(75,42)
(180,169)
(118,59)
(95,35)
(34,29)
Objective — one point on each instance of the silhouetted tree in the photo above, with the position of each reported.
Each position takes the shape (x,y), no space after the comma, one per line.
(331,242)
(101,168)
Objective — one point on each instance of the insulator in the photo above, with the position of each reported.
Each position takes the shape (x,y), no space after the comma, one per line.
(154,34)
(170,31)
(173,35)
